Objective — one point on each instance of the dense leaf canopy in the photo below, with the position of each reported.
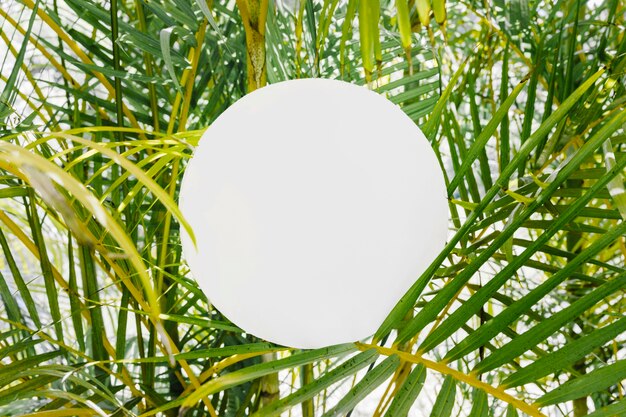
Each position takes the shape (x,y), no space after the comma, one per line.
(102,103)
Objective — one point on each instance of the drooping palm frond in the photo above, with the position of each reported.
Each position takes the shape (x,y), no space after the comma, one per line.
(102,104)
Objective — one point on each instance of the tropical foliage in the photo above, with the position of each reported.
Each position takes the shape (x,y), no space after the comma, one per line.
(102,103)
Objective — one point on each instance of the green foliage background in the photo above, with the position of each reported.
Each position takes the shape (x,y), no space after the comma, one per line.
(102,103)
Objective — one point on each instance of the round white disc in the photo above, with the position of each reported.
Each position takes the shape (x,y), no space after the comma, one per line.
(315,205)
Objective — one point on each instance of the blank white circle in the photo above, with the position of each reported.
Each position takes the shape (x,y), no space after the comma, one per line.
(315,205)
